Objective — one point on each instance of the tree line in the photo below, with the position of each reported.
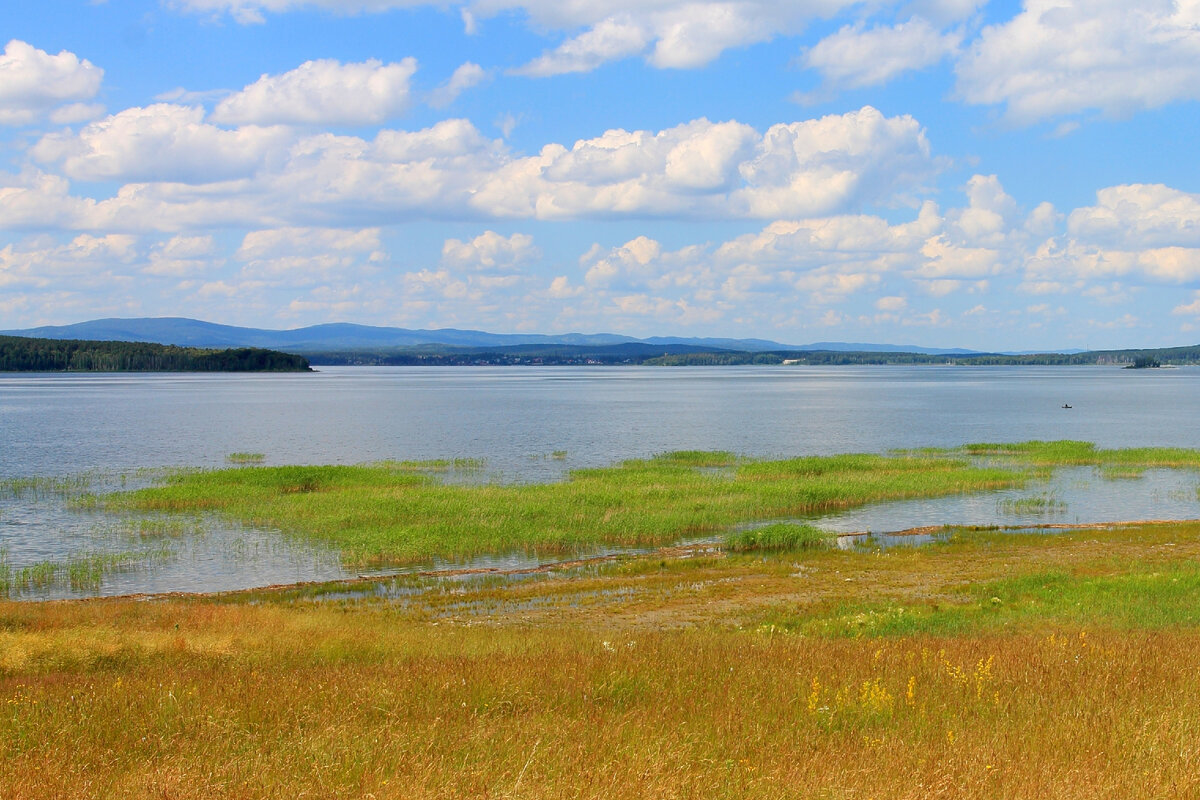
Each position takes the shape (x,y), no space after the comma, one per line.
(21,354)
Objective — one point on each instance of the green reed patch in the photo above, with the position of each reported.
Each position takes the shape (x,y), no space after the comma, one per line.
(80,572)
(1039,504)
(1073,453)
(396,512)
(782,537)
(1120,472)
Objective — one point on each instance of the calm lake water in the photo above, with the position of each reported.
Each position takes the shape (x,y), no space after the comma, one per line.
(516,419)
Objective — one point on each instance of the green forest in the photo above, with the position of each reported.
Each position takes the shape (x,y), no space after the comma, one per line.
(21,354)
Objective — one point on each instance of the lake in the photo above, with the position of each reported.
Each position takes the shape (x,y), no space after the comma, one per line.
(527,424)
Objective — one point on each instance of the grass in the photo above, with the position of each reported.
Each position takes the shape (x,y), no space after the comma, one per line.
(1040,504)
(397,512)
(986,666)
(245,458)
(781,537)
(84,571)
(1073,453)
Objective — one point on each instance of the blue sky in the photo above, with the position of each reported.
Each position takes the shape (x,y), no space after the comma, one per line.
(993,175)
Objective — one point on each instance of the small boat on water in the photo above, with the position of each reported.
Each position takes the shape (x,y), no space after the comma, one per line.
(1066,405)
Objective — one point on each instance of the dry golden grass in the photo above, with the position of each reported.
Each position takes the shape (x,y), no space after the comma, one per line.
(658,677)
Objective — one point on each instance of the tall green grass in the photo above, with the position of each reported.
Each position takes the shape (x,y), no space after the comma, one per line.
(782,537)
(392,512)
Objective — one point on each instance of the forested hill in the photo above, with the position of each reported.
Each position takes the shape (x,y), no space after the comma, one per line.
(20,354)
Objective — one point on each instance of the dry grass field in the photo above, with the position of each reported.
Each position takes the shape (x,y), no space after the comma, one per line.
(984,666)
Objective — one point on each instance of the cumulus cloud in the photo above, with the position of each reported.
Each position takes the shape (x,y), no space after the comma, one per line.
(635,263)
(823,165)
(323,92)
(989,216)
(1143,232)
(1061,57)
(36,199)
(698,170)
(161,142)
(490,251)
(855,57)
(33,83)
(1139,215)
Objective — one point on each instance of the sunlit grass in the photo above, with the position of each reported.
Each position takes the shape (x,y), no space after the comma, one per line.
(988,666)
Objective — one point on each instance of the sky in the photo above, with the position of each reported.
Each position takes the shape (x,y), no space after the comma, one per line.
(955,173)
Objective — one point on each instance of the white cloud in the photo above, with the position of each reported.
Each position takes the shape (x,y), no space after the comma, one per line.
(490,252)
(697,170)
(33,82)
(1139,215)
(855,57)
(823,165)
(35,199)
(988,219)
(83,262)
(632,264)
(947,260)
(610,40)
(323,92)
(181,256)
(561,288)
(1190,309)
(75,113)
(277,242)
(161,142)
(893,303)
(850,243)
(1065,56)
(468,75)
(1140,232)
(679,34)
(301,255)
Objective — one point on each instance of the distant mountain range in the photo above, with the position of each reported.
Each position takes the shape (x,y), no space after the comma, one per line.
(344,337)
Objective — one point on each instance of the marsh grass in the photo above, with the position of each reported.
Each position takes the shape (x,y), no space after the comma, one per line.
(781,537)
(48,486)
(395,512)
(79,572)
(1040,504)
(1074,453)
(245,458)
(160,528)
(1117,472)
